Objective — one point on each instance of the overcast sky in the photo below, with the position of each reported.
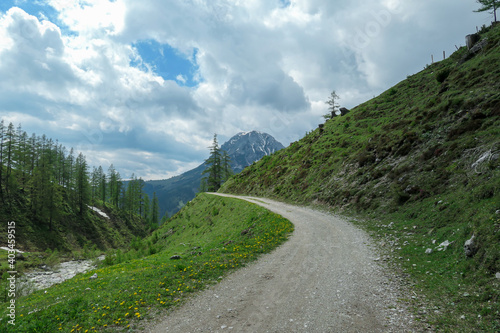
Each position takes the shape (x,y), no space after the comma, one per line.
(145,84)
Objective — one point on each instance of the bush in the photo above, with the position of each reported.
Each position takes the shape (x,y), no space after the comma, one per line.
(442,75)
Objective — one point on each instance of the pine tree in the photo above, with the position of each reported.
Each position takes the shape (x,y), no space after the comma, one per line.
(333,106)
(226,166)
(214,167)
(82,186)
(155,211)
(489,5)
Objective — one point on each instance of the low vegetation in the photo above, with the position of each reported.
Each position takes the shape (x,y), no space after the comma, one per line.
(424,158)
(208,238)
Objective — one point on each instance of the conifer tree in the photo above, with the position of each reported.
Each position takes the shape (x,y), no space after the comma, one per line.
(333,105)
(82,187)
(214,167)
(155,211)
(226,166)
(489,5)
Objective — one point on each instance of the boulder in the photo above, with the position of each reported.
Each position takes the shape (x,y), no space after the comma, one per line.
(470,40)
(343,111)
(93,276)
(175,257)
(470,247)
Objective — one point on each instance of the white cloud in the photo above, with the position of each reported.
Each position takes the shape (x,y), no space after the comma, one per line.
(264,65)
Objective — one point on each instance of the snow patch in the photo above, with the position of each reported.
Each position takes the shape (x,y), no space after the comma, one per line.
(100,212)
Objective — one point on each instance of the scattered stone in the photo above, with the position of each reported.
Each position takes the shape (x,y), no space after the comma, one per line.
(428,251)
(88,289)
(466,294)
(444,245)
(93,276)
(470,247)
(175,257)
(462,317)
(497,275)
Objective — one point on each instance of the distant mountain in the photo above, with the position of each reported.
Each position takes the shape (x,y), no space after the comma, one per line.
(244,148)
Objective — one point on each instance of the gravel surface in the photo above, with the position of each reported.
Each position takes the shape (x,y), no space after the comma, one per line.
(326,278)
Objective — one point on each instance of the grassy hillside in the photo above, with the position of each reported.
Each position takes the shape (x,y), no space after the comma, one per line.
(424,155)
(208,236)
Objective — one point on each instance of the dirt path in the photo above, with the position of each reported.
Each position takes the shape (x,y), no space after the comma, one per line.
(325,278)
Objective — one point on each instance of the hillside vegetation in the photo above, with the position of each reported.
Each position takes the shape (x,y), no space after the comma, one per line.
(208,238)
(418,166)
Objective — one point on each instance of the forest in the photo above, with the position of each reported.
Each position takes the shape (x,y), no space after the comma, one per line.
(43,181)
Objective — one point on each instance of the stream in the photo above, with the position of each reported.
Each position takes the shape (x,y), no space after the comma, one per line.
(45,276)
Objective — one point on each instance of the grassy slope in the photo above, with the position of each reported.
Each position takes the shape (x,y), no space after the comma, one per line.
(207,234)
(425,155)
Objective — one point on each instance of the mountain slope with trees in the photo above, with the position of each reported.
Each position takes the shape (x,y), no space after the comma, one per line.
(51,196)
(420,167)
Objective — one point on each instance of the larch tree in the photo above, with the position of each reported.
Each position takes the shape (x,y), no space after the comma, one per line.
(489,5)
(155,211)
(226,166)
(214,167)
(333,106)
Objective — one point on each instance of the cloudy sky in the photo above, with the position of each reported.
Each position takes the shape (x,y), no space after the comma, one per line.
(145,84)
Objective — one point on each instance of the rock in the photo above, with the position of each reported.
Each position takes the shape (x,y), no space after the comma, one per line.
(343,111)
(471,39)
(470,247)
(93,276)
(497,275)
(443,246)
(175,257)
(479,46)
(428,251)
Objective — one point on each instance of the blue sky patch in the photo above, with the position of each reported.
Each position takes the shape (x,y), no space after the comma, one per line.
(38,9)
(167,62)
(284,3)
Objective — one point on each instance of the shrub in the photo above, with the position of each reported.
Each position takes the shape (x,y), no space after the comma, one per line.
(442,75)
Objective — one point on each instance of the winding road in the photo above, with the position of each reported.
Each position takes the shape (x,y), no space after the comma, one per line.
(325,278)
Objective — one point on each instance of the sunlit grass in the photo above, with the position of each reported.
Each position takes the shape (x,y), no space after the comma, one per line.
(126,293)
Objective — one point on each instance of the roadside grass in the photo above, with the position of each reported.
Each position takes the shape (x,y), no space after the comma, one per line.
(211,235)
(453,292)
(424,154)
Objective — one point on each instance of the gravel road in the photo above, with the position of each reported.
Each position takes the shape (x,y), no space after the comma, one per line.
(325,278)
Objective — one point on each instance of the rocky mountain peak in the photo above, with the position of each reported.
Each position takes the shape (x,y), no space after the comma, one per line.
(247,147)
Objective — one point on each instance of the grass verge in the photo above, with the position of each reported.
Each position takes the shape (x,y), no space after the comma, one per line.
(211,235)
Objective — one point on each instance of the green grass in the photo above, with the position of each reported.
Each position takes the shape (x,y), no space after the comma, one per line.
(206,234)
(425,153)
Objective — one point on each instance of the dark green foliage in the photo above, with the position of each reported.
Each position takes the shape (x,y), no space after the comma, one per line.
(442,75)
(48,192)
(218,168)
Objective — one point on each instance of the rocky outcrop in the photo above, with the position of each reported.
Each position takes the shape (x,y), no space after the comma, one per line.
(470,247)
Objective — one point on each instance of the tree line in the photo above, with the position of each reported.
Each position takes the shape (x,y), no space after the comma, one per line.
(50,179)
